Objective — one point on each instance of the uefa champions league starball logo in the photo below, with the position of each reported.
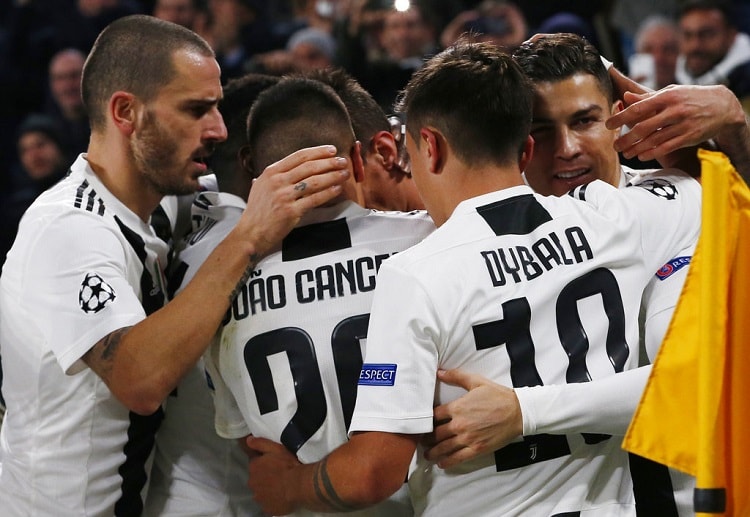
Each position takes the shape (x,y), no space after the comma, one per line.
(660,188)
(95,293)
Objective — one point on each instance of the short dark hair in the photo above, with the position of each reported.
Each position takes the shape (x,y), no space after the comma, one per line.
(368,118)
(133,54)
(477,97)
(239,95)
(295,113)
(723,6)
(556,57)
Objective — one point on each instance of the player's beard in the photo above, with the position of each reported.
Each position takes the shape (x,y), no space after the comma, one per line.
(155,153)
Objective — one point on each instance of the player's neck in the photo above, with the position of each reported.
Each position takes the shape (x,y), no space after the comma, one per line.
(457,184)
(114,168)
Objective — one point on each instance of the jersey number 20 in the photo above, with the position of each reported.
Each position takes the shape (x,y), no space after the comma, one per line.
(308,384)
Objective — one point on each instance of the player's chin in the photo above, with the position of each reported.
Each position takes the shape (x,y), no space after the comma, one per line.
(189,185)
(193,184)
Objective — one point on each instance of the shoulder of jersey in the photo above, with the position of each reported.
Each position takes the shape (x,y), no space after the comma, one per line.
(415,216)
(70,195)
(664,183)
(590,191)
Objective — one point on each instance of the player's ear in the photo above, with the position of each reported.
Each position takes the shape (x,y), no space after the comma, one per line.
(385,145)
(435,148)
(527,153)
(243,158)
(358,167)
(617,106)
(123,108)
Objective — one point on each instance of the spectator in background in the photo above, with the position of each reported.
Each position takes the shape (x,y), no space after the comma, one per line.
(308,49)
(43,162)
(40,151)
(658,38)
(65,104)
(35,31)
(407,36)
(712,51)
(311,49)
(383,46)
(627,16)
(497,21)
(237,31)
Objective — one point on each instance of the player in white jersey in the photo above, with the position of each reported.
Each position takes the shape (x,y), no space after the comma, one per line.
(89,352)
(387,184)
(286,363)
(573,99)
(70,453)
(523,288)
(195,471)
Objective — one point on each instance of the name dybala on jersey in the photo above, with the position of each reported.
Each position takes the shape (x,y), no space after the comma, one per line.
(525,290)
(82,266)
(286,363)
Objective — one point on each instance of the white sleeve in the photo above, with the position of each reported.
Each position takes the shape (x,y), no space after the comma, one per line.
(396,388)
(600,406)
(660,299)
(663,207)
(228,419)
(66,270)
(668,206)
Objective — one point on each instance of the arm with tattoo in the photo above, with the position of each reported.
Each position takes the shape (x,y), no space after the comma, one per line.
(326,492)
(143,364)
(101,356)
(362,472)
(254,259)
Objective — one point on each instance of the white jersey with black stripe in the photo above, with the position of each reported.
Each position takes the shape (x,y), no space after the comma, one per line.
(82,266)
(197,472)
(657,307)
(524,290)
(289,355)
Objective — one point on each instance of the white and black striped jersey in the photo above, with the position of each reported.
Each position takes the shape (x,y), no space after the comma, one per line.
(525,290)
(82,266)
(662,292)
(197,472)
(607,405)
(286,364)
(660,490)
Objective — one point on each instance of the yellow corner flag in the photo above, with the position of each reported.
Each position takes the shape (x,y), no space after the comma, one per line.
(695,412)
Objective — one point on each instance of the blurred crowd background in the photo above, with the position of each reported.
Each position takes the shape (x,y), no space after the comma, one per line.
(43,44)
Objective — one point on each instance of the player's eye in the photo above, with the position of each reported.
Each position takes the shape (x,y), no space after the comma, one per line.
(584,122)
(538,132)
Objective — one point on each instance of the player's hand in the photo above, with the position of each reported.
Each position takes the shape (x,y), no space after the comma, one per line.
(622,84)
(487,418)
(287,189)
(673,118)
(270,472)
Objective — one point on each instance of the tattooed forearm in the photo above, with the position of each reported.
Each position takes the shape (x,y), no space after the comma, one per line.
(101,356)
(326,492)
(248,271)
